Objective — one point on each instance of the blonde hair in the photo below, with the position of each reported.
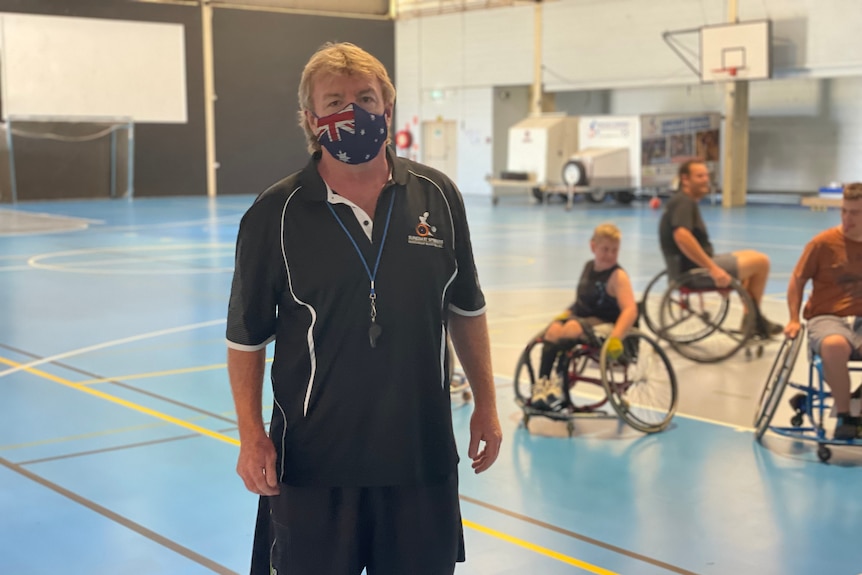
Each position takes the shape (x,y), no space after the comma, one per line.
(342,59)
(853,191)
(606,231)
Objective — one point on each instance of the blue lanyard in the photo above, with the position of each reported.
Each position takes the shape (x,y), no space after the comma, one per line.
(375,330)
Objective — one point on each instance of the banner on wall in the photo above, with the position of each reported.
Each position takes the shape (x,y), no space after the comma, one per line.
(669,140)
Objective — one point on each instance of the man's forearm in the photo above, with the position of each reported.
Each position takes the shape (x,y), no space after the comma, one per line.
(472,344)
(246,369)
(624,323)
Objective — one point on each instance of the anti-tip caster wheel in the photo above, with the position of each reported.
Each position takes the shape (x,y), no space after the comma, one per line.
(570,428)
(824,453)
(796,420)
(760,351)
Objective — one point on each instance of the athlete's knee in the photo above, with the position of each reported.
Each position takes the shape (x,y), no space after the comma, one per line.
(553,333)
(835,350)
(572,330)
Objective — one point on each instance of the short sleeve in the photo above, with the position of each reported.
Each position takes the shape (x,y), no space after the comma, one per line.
(254,296)
(467,297)
(806,267)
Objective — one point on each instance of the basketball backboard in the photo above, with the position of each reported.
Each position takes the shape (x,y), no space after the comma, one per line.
(740,51)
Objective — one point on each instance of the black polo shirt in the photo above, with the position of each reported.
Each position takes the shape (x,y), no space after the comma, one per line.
(681,211)
(347,414)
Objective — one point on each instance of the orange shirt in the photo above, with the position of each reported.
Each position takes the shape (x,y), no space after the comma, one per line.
(834,264)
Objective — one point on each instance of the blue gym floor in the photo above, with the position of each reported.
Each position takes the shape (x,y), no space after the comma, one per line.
(118,439)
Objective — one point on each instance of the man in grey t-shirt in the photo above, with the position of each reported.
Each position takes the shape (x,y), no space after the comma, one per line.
(685,244)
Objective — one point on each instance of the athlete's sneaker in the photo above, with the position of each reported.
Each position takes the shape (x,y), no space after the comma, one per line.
(846,427)
(537,394)
(548,394)
(556,397)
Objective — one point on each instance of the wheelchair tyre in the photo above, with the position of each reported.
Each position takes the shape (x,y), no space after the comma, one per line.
(824,453)
(526,373)
(641,384)
(705,320)
(674,306)
(776,382)
(650,304)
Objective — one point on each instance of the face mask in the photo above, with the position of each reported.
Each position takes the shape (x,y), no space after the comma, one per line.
(353,135)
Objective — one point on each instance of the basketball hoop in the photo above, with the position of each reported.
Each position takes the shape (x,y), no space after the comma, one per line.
(731,71)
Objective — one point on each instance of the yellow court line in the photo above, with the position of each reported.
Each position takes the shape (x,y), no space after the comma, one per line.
(537,549)
(123,402)
(203,431)
(154,374)
(177,371)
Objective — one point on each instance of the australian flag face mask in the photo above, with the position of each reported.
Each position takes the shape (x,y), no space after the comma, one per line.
(353,135)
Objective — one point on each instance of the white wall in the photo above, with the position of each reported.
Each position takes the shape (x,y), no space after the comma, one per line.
(804,132)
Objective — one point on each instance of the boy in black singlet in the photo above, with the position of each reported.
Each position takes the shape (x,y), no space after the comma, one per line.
(605,307)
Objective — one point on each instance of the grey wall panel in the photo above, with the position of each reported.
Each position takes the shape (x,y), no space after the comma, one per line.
(169,158)
(259,58)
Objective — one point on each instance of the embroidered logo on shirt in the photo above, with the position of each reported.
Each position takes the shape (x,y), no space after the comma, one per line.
(425,234)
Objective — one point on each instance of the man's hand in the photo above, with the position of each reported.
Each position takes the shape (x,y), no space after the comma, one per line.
(614,348)
(484,426)
(791,330)
(256,465)
(720,277)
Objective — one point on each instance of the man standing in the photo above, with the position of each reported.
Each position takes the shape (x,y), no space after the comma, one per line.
(833,261)
(358,267)
(685,244)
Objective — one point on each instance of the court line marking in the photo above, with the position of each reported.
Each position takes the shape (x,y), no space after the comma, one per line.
(123,402)
(538,549)
(509,382)
(80,436)
(117,447)
(221,437)
(112,343)
(122,520)
(574,535)
(150,374)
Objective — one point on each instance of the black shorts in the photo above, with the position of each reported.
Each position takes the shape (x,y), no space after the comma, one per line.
(343,530)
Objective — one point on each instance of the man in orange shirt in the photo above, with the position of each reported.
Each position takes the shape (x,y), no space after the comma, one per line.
(833,261)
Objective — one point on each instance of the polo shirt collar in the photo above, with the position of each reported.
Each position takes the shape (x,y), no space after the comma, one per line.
(319,192)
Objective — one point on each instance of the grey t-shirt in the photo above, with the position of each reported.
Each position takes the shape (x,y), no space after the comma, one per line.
(681,211)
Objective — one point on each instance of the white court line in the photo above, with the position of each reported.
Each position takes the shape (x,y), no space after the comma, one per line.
(508,382)
(112,343)
(52,216)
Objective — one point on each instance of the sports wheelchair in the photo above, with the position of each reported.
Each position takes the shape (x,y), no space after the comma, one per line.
(640,384)
(700,321)
(810,405)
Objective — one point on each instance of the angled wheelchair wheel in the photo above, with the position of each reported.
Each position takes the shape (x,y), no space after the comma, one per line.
(640,384)
(705,323)
(779,376)
(527,370)
(650,304)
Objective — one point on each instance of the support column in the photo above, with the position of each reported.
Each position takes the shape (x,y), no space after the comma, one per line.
(735,169)
(536,96)
(209,95)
